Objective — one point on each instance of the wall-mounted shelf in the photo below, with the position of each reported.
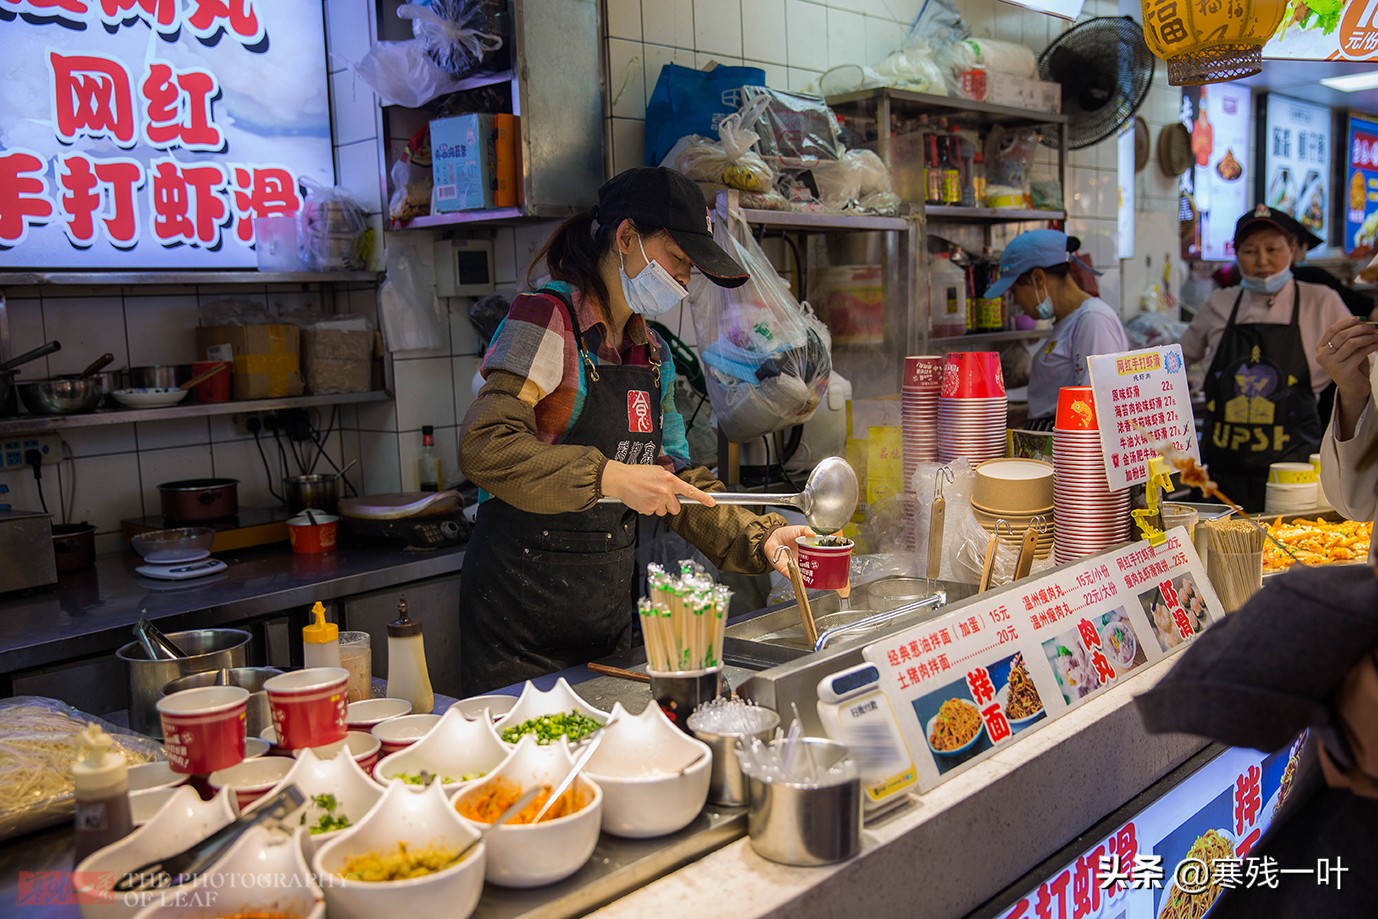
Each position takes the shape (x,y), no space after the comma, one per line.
(822,223)
(968,111)
(462,218)
(154,277)
(989,214)
(26,424)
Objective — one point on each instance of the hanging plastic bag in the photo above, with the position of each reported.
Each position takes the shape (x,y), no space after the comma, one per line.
(793,126)
(406,303)
(402,73)
(412,179)
(333,226)
(730,161)
(687,101)
(461,36)
(766,358)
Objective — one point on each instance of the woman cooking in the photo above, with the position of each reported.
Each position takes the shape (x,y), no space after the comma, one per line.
(1259,340)
(1037,267)
(1349,452)
(578,404)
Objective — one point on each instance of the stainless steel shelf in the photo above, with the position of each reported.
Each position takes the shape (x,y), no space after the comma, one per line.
(488,215)
(957,342)
(989,214)
(954,106)
(477,81)
(153,277)
(805,222)
(26,424)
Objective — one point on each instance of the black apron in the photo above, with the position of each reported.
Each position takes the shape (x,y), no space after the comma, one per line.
(1260,408)
(543,592)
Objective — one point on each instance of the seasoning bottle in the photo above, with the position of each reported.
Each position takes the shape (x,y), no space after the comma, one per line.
(949,148)
(101,780)
(428,469)
(407,675)
(978,178)
(933,170)
(320,641)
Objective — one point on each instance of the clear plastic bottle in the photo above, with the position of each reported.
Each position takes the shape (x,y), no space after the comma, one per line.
(101,780)
(947,297)
(320,641)
(408,677)
(429,472)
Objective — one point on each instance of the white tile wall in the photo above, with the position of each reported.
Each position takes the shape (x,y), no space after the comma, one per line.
(668,22)
(626,78)
(718,27)
(806,29)
(764,32)
(846,38)
(624,19)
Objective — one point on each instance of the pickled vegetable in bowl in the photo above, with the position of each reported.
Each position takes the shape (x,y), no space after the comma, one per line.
(400,864)
(486,804)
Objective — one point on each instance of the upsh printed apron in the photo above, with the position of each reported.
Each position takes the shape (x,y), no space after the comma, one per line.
(1260,408)
(543,592)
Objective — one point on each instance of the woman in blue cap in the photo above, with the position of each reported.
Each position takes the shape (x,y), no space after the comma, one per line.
(1036,267)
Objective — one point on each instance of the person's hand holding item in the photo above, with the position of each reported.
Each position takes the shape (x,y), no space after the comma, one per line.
(783,536)
(1343,352)
(649,489)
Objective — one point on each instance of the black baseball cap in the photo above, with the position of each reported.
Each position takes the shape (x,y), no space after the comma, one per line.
(654,196)
(1263,215)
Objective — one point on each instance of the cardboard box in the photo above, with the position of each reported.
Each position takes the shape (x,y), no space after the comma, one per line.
(267,358)
(1009,90)
(337,360)
(464,163)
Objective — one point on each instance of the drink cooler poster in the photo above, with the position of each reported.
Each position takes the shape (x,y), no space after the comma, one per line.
(973,680)
(1221,179)
(1360,191)
(145,134)
(1296,142)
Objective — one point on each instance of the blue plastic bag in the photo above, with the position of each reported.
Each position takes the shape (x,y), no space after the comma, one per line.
(687,101)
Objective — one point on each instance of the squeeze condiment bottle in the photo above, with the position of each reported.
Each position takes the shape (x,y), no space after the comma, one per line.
(407,675)
(101,780)
(320,641)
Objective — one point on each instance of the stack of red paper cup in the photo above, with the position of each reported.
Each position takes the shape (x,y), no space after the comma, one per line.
(1090,517)
(923,376)
(972,409)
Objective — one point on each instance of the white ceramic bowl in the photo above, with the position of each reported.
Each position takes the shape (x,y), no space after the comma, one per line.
(183,821)
(251,779)
(254,747)
(456,748)
(157,774)
(530,855)
(654,776)
(362,746)
(419,817)
(399,733)
(150,396)
(364,715)
(354,792)
(262,873)
(145,805)
(534,703)
(496,705)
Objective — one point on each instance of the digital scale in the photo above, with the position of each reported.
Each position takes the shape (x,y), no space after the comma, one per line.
(196,565)
(856,713)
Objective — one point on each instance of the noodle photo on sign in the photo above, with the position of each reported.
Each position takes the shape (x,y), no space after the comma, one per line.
(952,725)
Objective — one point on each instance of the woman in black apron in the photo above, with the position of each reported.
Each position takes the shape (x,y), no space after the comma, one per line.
(572,411)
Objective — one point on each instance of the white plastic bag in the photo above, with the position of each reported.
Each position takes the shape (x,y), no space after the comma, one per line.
(402,73)
(406,303)
(766,358)
(730,161)
(333,225)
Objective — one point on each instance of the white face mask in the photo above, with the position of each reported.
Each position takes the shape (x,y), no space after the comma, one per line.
(1269,285)
(654,291)
(1044,310)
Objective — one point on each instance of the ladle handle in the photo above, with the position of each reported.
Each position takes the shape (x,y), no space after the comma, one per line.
(1026,553)
(801,596)
(97,365)
(35,354)
(936,517)
(202,377)
(732,497)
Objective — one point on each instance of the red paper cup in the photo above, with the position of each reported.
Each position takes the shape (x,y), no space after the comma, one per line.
(923,371)
(308,538)
(217,388)
(973,375)
(824,567)
(203,729)
(309,707)
(1076,410)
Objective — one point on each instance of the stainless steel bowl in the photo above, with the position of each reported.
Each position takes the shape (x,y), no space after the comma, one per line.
(60,397)
(167,376)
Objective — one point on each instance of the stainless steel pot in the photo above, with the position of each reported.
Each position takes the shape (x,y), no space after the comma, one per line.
(74,546)
(60,397)
(207,649)
(168,376)
(250,678)
(194,500)
(318,492)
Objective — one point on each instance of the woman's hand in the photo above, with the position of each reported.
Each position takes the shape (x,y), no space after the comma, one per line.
(783,536)
(1343,352)
(650,490)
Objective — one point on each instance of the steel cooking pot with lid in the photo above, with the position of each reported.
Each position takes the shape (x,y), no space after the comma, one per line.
(193,500)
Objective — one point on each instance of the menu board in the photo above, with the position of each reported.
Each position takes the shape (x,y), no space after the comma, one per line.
(1360,190)
(972,681)
(1141,402)
(1296,163)
(1221,179)
(1326,30)
(144,134)
(1187,844)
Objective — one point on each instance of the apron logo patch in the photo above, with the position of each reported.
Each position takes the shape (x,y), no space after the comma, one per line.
(639,412)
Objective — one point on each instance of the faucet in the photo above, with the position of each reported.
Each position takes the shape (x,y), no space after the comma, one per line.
(936,600)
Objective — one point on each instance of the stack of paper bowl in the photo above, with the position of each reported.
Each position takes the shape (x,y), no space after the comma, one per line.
(1291,487)
(972,409)
(1019,492)
(1090,517)
(923,376)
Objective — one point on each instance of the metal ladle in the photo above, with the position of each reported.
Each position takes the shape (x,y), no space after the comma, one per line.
(827,501)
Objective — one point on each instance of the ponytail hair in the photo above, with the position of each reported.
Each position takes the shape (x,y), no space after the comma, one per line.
(575,252)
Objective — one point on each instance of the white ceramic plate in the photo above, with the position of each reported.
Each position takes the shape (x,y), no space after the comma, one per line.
(149,396)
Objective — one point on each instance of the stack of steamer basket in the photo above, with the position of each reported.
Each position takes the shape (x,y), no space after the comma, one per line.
(1090,517)
(923,376)
(972,408)
(1019,492)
